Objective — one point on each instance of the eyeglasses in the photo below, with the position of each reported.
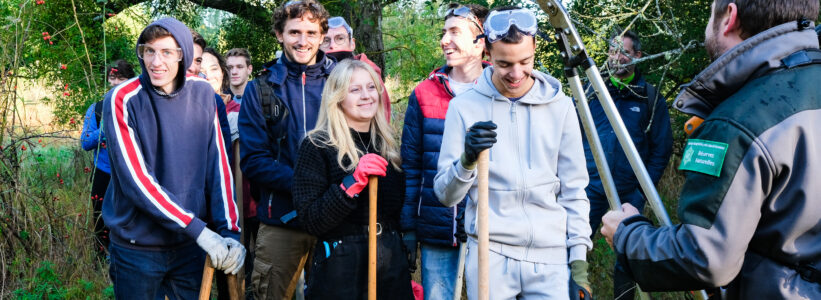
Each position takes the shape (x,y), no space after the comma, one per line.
(498,23)
(339,40)
(145,52)
(464,12)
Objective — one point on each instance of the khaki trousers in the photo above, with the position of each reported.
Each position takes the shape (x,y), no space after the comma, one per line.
(281,254)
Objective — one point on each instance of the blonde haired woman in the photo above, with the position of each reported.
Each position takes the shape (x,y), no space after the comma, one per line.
(330,189)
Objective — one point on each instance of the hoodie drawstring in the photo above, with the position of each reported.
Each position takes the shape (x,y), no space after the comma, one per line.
(529,138)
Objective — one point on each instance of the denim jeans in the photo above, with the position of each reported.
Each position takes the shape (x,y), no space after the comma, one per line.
(146,274)
(439,267)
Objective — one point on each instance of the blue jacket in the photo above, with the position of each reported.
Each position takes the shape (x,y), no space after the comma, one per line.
(655,145)
(421,139)
(273,177)
(92,139)
(169,166)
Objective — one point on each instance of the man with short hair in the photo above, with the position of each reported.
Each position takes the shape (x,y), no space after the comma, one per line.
(538,226)
(270,138)
(439,229)
(644,113)
(199,45)
(340,44)
(239,70)
(748,206)
(168,178)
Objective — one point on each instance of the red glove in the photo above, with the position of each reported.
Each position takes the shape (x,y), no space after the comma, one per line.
(369,165)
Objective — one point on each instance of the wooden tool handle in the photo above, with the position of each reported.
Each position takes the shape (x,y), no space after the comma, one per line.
(484,236)
(207,278)
(373,183)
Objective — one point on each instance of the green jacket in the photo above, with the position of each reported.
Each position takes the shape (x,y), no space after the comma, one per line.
(749,206)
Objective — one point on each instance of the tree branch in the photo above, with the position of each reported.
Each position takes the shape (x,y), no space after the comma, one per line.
(252,13)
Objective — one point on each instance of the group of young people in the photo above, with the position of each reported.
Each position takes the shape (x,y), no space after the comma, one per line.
(314,125)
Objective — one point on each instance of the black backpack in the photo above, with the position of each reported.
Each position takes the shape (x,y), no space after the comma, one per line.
(274,110)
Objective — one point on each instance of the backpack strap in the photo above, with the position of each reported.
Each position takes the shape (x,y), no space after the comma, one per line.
(652,98)
(274,112)
(98,112)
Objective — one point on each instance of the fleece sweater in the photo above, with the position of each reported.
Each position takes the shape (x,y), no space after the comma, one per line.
(169,165)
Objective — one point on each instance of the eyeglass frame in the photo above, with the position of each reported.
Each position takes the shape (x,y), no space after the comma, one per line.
(330,40)
(140,54)
(494,35)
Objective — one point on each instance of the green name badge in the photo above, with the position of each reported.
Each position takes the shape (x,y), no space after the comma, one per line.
(703,156)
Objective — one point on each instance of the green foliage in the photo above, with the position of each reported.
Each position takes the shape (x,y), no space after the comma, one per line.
(236,32)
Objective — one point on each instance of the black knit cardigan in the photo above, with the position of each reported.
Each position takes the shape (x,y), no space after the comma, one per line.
(322,206)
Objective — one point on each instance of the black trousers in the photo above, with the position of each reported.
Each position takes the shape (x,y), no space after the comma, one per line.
(340,268)
(99,185)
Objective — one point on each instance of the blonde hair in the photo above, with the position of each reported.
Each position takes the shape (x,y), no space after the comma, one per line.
(332,126)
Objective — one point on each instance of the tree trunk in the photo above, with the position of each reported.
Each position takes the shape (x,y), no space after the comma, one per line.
(366,18)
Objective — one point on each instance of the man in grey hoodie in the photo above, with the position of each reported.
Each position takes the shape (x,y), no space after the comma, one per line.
(538,216)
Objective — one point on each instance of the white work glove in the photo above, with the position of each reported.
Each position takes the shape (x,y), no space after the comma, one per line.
(236,256)
(215,246)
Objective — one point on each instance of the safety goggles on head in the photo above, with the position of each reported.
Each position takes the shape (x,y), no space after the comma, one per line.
(336,22)
(147,53)
(498,23)
(464,12)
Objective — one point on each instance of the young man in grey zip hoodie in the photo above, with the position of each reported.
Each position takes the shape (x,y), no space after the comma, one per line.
(538,216)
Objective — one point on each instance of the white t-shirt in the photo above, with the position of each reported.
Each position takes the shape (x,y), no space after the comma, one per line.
(459,87)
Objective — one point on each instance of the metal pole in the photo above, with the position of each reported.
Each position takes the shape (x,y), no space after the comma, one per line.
(592,134)
(627,145)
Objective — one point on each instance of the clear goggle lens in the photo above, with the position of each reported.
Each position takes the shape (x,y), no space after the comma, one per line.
(498,23)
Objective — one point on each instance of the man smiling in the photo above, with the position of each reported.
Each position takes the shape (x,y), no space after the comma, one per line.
(268,148)
(167,177)
(538,210)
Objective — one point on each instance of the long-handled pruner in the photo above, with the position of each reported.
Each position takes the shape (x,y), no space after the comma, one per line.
(574,55)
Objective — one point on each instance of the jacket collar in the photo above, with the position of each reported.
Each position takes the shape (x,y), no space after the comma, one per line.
(282,68)
(440,75)
(751,58)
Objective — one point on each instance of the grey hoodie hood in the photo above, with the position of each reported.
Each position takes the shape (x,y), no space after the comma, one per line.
(751,58)
(545,89)
(182,34)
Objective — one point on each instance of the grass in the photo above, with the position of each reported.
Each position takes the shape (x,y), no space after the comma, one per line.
(47,248)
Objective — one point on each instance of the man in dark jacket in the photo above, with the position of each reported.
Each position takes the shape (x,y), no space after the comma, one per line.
(644,112)
(424,218)
(297,78)
(749,204)
(168,178)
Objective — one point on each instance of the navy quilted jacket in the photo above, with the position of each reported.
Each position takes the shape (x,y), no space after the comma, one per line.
(421,139)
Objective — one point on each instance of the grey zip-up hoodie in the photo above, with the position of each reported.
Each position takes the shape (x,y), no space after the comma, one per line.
(538,207)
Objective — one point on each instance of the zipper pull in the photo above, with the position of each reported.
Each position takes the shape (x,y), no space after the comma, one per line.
(303,78)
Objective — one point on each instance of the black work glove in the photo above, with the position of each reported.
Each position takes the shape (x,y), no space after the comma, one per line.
(460,226)
(410,244)
(479,137)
